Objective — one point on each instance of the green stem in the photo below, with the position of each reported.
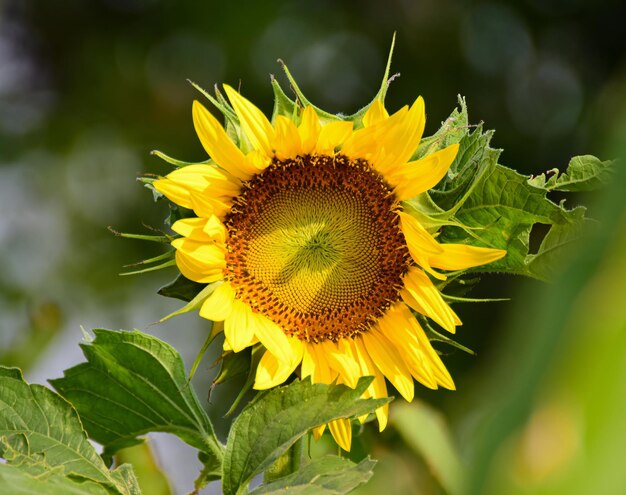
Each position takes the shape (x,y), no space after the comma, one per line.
(286,464)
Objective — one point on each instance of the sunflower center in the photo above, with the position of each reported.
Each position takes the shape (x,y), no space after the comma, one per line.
(315,245)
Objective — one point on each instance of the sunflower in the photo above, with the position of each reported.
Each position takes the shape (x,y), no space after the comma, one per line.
(300,231)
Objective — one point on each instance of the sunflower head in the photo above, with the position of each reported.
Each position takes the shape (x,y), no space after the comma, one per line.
(299,225)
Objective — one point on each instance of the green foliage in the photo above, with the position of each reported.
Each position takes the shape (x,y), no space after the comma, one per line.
(273,422)
(584,173)
(328,475)
(132,384)
(432,441)
(42,436)
(181,288)
(483,203)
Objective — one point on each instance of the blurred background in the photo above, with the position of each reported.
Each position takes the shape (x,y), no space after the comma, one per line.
(88,89)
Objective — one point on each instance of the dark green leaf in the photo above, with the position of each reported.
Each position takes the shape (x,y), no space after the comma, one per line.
(329,475)
(584,173)
(132,384)
(14,481)
(273,422)
(40,431)
(499,212)
(181,288)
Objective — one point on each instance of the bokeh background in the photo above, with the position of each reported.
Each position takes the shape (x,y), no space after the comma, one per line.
(88,88)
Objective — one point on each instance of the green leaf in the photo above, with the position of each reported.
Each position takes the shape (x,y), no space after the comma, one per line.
(328,475)
(274,421)
(132,384)
(499,211)
(426,432)
(584,173)
(181,288)
(40,431)
(15,481)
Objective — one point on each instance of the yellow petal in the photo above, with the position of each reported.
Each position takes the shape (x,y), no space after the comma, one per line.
(400,142)
(203,188)
(421,175)
(206,204)
(239,326)
(389,362)
(420,243)
(421,295)
(375,113)
(399,326)
(341,358)
(207,254)
(272,337)
(219,305)
(197,271)
(256,126)
(272,372)
(287,143)
(215,229)
(341,430)
(315,364)
(201,229)
(309,130)
(191,228)
(378,387)
(440,372)
(332,136)
(368,142)
(318,432)
(460,256)
(218,145)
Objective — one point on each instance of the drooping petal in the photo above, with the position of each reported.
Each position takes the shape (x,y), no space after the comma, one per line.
(439,370)
(389,362)
(272,372)
(253,122)
(309,130)
(287,143)
(239,326)
(378,388)
(341,430)
(397,324)
(461,256)
(332,136)
(219,146)
(421,175)
(421,295)
(219,305)
(341,358)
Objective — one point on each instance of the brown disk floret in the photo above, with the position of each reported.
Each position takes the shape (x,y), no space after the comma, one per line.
(315,245)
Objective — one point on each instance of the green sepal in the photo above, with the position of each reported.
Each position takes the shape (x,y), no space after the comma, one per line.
(181,288)
(196,302)
(176,162)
